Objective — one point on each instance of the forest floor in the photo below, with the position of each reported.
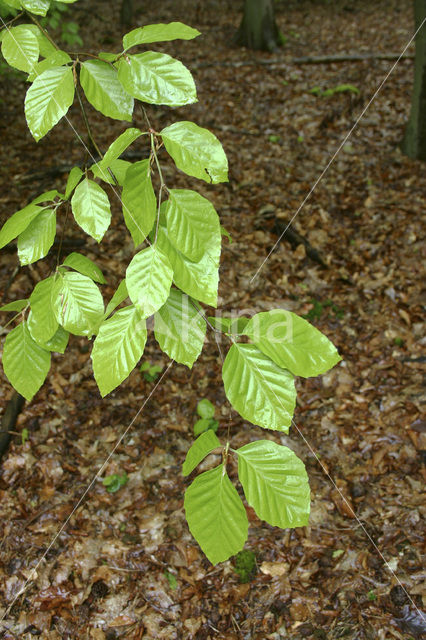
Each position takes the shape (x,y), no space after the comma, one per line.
(125,565)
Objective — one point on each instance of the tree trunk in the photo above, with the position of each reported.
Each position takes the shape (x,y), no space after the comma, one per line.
(414,142)
(126,13)
(258,29)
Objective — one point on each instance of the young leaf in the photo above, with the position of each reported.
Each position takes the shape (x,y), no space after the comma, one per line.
(57,343)
(16,305)
(77,303)
(159,33)
(157,78)
(192,223)
(148,279)
(47,196)
(216,516)
(91,209)
(117,348)
(34,243)
(45,46)
(119,296)
(74,177)
(48,100)
(196,151)
(179,329)
(25,363)
(103,90)
(55,59)
(18,222)
(275,483)
(203,445)
(39,7)
(291,342)
(20,48)
(85,266)
(117,147)
(257,388)
(139,201)
(42,322)
(198,279)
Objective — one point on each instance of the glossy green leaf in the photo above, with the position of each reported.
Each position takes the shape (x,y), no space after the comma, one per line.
(103,90)
(77,303)
(20,48)
(159,33)
(34,243)
(119,296)
(39,7)
(291,342)
(139,201)
(46,197)
(192,223)
(179,329)
(157,78)
(57,343)
(55,59)
(115,173)
(45,46)
(18,222)
(48,100)
(25,363)
(216,516)
(16,305)
(85,266)
(233,326)
(117,348)
(91,209)
(204,444)
(118,147)
(196,151)
(275,483)
(109,57)
(74,177)
(148,279)
(198,279)
(257,388)
(42,322)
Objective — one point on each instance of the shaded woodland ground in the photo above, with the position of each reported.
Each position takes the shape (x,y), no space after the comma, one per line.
(126,565)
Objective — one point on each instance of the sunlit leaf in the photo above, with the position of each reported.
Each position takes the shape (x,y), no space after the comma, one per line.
(74,177)
(91,208)
(42,322)
(148,279)
(204,444)
(85,266)
(103,90)
(16,305)
(139,201)
(34,243)
(39,7)
(55,59)
(18,222)
(159,33)
(77,303)
(20,48)
(48,100)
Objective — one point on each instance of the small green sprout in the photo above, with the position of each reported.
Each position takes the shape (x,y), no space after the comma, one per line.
(399,342)
(273,138)
(114,482)
(171,579)
(150,371)
(371,596)
(24,435)
(206,411)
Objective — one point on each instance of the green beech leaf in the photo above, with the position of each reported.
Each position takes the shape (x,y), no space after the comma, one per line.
(233,326)
(47,196)
(179,329)
(196,151)
(148,279)
(77,303)
(46,47)
(119,296)
(74,177)
(103,90)
(117,168)
(25,363)
(118,147)
(216,516)
(42,322)
(205,408)
(57,343)
(109,57)
(34,243)
(257,388)
(85,266)
(198,279)
(55,59)
(20,48)
(16,305)
(192,223)
(91,209)
(18,222)
(203,445)
(39,7)
(159,33)
(157,78)
(275,483)
(117,348)
(291,342)
(139,201)
(48,100)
